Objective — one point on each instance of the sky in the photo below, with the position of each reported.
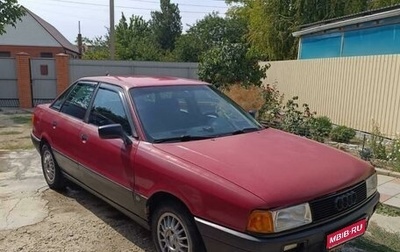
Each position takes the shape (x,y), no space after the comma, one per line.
(93,15)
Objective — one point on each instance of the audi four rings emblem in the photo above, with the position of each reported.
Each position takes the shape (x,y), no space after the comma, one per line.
(345,201)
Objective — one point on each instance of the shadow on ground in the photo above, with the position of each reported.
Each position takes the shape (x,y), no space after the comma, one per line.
(112,217)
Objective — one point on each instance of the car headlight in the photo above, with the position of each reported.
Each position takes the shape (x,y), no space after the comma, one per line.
(262,221)
(372,184)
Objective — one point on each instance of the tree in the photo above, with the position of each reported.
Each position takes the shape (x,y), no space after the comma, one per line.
(211,31)
(134,41)
(271,22)
(96,49)
(227,64)
(10,12)
(166,25)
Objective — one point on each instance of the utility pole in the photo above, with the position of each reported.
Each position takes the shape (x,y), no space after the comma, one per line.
(112,31)
(80,40)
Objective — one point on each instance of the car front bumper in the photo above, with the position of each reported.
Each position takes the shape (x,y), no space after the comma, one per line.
(35,141)
(313,238)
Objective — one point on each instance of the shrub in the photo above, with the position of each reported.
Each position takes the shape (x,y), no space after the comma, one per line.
(376,143)
(394,153)
(296,121)
(270,111)
(249,98)
(342,134)
(321,127)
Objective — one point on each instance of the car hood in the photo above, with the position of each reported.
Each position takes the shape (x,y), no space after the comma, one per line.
(280,168)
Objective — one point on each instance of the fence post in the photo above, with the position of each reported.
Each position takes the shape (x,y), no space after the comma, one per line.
(24,80)
(62,72)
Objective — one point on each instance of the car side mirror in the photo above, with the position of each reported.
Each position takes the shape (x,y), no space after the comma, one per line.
(113,131)
(253,113)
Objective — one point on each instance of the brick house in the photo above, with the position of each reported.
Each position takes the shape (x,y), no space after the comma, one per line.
(35,36)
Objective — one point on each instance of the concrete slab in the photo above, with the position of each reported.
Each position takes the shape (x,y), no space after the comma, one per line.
(393,202)
(382,179)
(389,190)
(21,186)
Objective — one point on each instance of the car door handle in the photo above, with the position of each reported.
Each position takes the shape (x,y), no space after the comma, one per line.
(84,138)
(54,124)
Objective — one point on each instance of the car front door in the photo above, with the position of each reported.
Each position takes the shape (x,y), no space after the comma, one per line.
(107,164)
(66,123)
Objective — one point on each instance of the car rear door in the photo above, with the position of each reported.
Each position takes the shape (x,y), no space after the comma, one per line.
(107,164)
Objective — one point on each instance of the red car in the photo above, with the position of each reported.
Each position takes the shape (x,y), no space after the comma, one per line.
(186,162)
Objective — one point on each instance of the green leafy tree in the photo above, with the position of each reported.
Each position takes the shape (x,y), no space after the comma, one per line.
(227,64)
(206,33)
(10,12)
(166,25)
(96,49)
(272,22)
(134,41)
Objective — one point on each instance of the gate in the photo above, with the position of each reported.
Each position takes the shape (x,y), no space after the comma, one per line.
(8,83)
(44,81)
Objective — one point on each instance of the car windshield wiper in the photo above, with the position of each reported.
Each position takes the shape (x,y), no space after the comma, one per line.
(183,138)
(245,130)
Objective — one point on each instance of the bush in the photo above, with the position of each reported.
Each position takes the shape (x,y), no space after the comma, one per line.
(249,98)
(227,64)
(376,143)
(296,121)
(320,128)
(342,134)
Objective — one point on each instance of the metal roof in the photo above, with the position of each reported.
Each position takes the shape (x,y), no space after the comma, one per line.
(54,32)
(365,16)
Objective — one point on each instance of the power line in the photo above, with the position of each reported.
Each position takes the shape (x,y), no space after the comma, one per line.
(120,6)
(183,4)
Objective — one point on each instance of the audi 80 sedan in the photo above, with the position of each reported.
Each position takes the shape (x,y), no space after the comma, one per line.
(186,162)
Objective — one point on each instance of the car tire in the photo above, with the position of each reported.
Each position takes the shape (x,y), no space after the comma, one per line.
(173,229)
(51,170)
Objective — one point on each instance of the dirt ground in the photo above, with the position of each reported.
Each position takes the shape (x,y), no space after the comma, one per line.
(35,218)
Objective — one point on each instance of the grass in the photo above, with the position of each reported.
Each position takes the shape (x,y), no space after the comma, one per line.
(23,119)
(16,146)
(12,132)
(378,240)
(388,211)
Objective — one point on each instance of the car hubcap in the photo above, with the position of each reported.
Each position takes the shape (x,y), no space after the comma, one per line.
(172,235)
(49,166)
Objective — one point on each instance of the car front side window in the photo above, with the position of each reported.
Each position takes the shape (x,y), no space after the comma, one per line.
(108,108)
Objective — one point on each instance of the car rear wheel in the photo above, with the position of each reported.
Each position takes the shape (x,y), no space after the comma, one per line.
(174,230)
(51,170)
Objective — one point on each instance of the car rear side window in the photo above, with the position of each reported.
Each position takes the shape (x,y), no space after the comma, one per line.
(78,100)
(108,108)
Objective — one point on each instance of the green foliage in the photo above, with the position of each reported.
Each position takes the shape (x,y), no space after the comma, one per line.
(393,154)
(377,143)
(166,25)
(96,49)
(133,39)
(10,12)
(270,111)
(320,128)
(208,32)
(296,121)
(228,64)
(272,22)
(342,134)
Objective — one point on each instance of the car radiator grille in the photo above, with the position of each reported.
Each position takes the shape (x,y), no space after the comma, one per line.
(338,203)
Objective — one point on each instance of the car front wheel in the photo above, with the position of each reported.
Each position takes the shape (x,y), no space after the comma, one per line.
(51,170)
(173,230)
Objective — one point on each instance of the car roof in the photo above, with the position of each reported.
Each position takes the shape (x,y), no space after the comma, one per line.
(143,81)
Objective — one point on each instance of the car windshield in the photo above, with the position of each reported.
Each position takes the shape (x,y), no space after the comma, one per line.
(188,113)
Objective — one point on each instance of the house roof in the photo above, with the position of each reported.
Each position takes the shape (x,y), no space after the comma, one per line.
(54,32)
(360,17)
